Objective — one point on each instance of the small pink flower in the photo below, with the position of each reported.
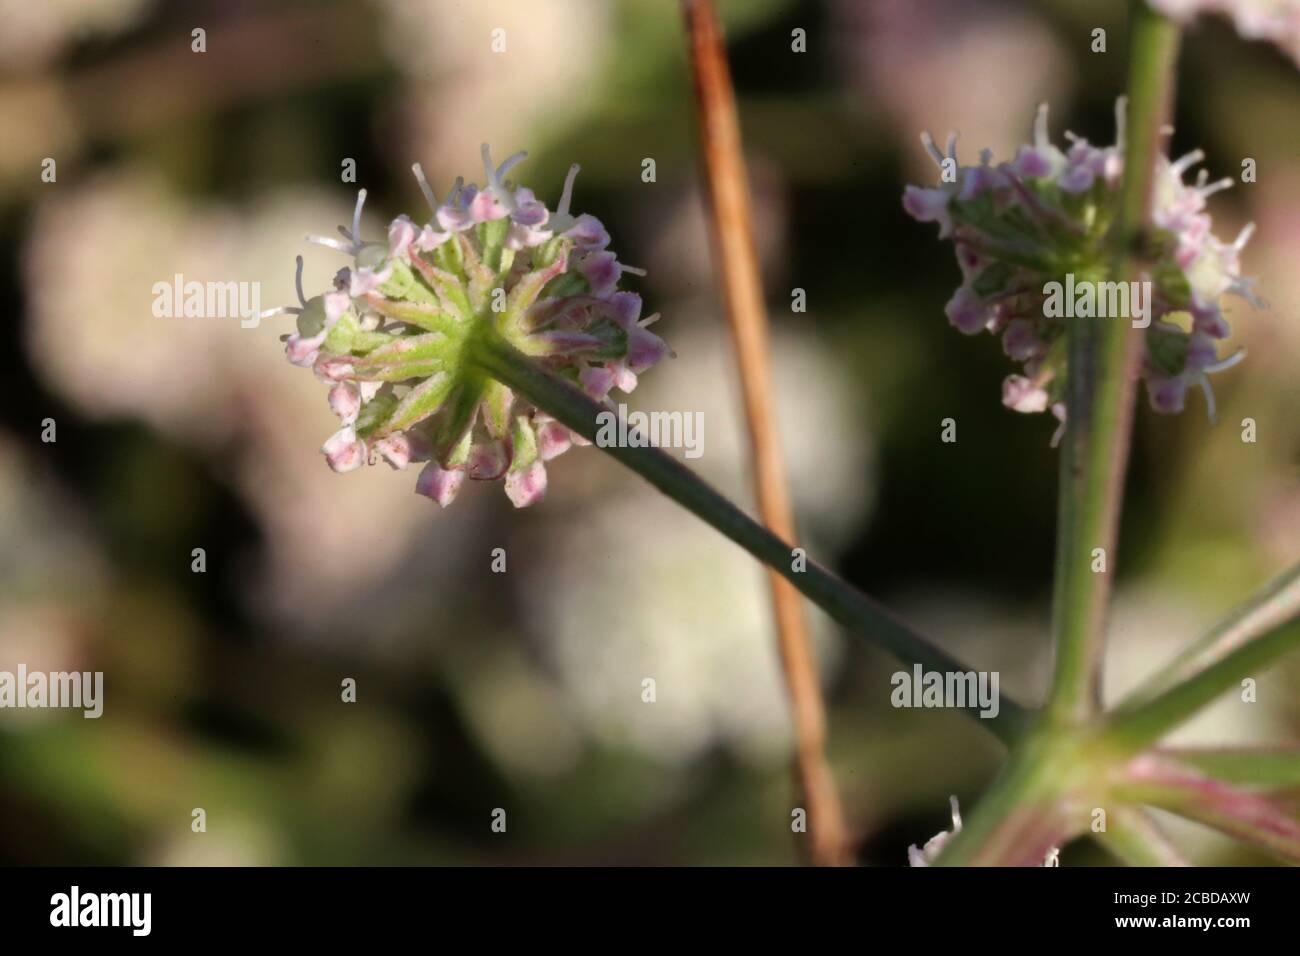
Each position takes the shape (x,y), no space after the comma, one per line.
(344,451)
(1023,395)
(440,484)
(528,486)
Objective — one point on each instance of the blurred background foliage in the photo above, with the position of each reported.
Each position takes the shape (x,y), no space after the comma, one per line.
(522,690)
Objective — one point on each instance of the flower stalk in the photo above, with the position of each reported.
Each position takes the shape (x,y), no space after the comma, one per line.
(737,265)
(846,605)
(1101,383)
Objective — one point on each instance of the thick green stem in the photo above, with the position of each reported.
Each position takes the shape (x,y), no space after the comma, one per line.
(1103,355)
(857,612)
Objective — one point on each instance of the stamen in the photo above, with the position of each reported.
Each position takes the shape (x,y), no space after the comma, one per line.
(330,243)
(356,217)
(567,195)
(278,310)
(1121,122)
(632,269)
(297,284)
(952,146)
(1219,186)
(928,142)
(1185,163)
(956,814)
(1243,237)
(1210,407)
(510,163)
(1244,286)
(429,195)
(1040,127)
(1227,363)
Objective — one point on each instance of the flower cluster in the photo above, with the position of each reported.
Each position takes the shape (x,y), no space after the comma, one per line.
(1043,218)
(1277,21)
(394,337)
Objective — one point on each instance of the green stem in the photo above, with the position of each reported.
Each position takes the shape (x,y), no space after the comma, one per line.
(1099,397)
(1262,767)
(1135,725)
(1275,605)
(857,612)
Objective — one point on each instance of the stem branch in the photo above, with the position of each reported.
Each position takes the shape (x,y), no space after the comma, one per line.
(846,605)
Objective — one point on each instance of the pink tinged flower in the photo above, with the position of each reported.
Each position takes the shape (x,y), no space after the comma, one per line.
(553,440)
(967,312)
(1167,395)
(1020,340)
(1031,164)
(453,216)
(335,368)
(597,380)
(345,402)
(526,486)
(366,280)
(929,205)
(488,460)
(624,378)
(487,206)
(1023,395)
(401,236)
(344,451)
(440,484)
(303,351)
(429,239)
(602,272)
(528,210)
(1076,179)
(644,349)
(587,233)
(395,449)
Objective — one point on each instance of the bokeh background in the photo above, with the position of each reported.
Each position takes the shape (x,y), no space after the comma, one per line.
(522,690)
